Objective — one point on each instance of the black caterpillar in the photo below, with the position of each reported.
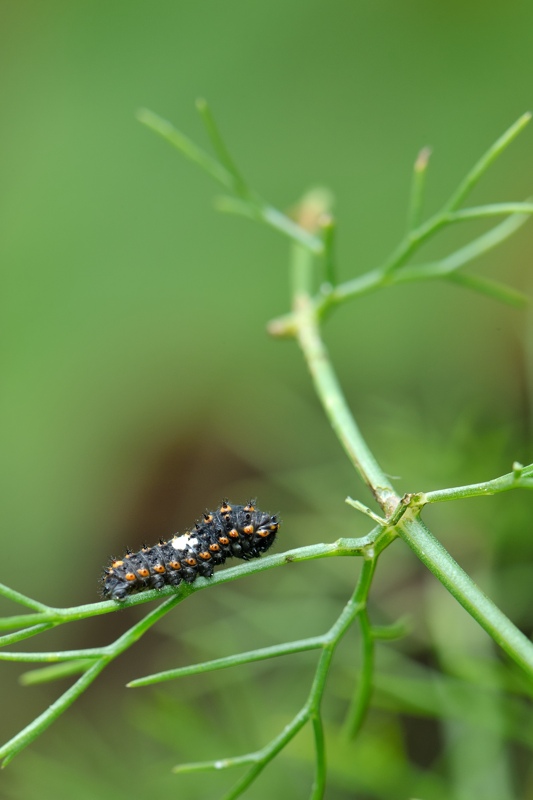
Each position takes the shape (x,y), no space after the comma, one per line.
(240,531)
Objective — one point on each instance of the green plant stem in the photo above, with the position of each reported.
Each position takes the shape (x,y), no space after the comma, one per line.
(494,289)
(262,757)
(446,268)
(488,158)
(219,146)
(262,653)
(502,484)
(491,210)
(464,255)
(338,413)
(418,236)
(27,621)
(373,541)
(319,783)
(27,633)
(410,528)
(328,387)
(11,748)
(55,672)
(216,764)
(396,630)
(190,150)
(31,731)
(63,655)
(312,708)
(467,593)
(22,599)
(361,699)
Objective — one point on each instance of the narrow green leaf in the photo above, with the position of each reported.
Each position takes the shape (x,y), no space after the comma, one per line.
(9,750)
(22,599)
(186,146)
(220,148)
(464,255)
(486,160)
(232,661)
(54,673)
(218,764)
(27,633)
(22,621)
(495,289)
(491,210)
(234,205)
(62,655)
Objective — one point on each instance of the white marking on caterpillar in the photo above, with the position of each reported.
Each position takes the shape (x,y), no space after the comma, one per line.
(184,542)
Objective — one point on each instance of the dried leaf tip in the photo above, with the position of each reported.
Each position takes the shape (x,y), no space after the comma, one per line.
(422,159)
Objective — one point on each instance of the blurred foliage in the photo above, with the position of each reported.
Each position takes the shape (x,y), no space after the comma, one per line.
(140,387)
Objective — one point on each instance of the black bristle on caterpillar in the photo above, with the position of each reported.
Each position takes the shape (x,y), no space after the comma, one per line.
(231,531)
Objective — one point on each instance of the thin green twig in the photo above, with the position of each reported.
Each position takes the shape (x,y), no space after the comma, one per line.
(262,653)
(520,478)
(312,708)
(490,210)
(443,269)
(363,695)
(495,289)
(319,783)
(461,586)
(62,655)
(219,146)
(488,158)
(27,633)
(21,599)
(55,672)
(11,748)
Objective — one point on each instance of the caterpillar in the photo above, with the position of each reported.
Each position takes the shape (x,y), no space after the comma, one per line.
(230,531)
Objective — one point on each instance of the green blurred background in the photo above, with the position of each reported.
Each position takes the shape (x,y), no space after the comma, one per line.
(140,385)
